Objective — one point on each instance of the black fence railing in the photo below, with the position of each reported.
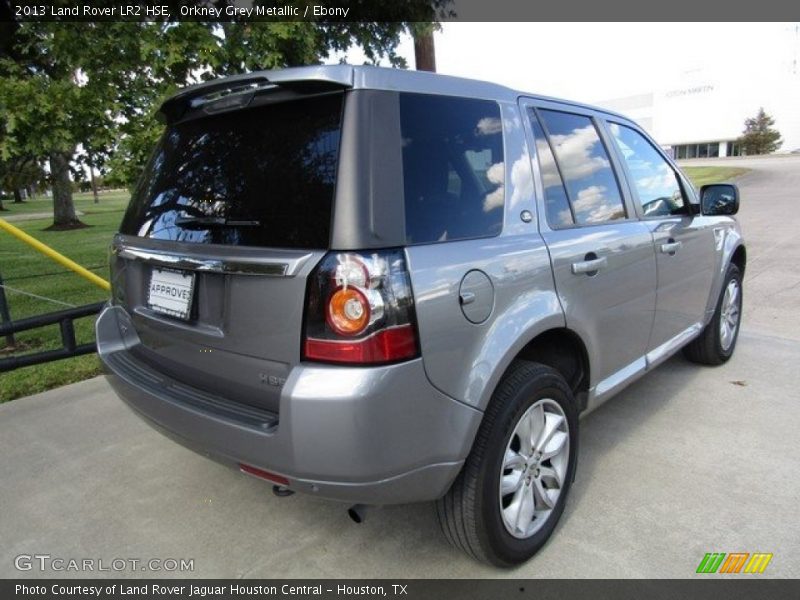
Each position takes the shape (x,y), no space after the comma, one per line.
(65,320)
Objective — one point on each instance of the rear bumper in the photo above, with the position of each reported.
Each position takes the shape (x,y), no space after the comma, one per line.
(377,435)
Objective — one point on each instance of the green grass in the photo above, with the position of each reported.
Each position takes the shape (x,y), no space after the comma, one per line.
(25,269)
(109,202)
(703,175)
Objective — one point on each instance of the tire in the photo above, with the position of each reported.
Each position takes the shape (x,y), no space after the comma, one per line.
(712,347)
(472,514)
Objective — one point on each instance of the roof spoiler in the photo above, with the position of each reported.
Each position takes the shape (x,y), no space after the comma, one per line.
(299,79)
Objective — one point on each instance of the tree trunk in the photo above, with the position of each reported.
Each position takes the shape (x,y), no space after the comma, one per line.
(1,204)
(63,208)
(94,186)
(424,51)
(17,196)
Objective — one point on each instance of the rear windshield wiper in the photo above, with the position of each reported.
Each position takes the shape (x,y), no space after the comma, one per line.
(216,222)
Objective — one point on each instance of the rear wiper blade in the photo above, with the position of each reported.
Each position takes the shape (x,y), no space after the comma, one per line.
(216,222)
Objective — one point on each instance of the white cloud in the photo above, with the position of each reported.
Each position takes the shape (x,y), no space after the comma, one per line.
(489,126)
(495,174)
(592,206)
(574,153)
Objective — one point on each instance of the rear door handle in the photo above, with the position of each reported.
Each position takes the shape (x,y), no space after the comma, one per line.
(590,267)
(671,247)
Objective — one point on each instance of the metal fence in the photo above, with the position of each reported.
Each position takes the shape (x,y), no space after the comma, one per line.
(65,319)
(37,298)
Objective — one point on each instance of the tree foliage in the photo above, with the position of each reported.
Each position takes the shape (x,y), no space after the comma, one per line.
(60,88)
(759,136)
(20,173)
(97,86)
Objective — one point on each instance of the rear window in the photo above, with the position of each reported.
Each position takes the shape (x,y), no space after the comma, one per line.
(453,172)
(261,176)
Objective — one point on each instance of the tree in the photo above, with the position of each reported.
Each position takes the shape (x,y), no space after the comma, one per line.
(184,49)
(97,86)
(59,89)
(758,136)
(20,173)
(424,49)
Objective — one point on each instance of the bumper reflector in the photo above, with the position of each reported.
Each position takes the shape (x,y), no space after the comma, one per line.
(255,471)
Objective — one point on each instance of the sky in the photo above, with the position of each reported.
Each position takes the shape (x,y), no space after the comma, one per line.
(597,61)
(744,65)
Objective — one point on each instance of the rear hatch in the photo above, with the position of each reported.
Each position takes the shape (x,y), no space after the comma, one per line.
(232,213)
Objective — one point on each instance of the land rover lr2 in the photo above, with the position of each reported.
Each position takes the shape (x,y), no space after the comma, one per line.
(379,286)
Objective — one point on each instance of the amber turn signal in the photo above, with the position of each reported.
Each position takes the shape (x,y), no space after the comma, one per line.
(348,311)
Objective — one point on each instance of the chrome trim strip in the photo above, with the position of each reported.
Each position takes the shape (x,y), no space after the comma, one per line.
(239,266)
(606,388)
(668,348)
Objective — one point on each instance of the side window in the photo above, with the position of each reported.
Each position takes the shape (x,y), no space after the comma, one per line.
(657,185)
(559,213)
(453,169)
(585,166)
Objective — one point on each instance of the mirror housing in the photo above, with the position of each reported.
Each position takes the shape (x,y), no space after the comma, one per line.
(719,199)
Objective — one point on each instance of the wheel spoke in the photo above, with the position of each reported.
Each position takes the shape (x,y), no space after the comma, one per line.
(526,509)
(552,422)
(555,446)
(542,497)
(510,483)
(513,460)
(527,428)
(734,294)
(551,474)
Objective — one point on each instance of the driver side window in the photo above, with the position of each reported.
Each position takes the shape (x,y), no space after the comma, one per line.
(658,189)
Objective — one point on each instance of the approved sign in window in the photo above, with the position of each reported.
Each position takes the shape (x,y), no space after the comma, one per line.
(171,292)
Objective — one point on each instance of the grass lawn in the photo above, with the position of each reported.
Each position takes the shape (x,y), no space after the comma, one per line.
(703,175)
(109,202)
(24,269)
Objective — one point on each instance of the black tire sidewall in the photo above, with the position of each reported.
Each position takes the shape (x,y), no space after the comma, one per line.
(506,549)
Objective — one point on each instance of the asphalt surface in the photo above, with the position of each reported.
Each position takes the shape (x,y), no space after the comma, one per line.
(688,460)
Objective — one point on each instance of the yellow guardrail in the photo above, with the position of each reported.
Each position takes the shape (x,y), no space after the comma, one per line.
(56,256)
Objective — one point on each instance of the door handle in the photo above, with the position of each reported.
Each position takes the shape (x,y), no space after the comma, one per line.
(671,247)
(590,267)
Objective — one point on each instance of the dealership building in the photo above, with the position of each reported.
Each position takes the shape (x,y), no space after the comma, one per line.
(700,114)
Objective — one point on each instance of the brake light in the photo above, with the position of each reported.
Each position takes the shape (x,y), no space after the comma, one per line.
(360,309)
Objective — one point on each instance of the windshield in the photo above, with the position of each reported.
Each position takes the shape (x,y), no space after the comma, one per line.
(261,176)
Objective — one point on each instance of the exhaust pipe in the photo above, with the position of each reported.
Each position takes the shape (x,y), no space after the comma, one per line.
(281,491)
(357,513)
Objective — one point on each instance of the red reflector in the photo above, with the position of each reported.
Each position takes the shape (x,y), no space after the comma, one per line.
(279,479)
(387,345)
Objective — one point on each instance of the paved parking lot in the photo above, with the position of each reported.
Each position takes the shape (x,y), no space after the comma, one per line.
(688,460)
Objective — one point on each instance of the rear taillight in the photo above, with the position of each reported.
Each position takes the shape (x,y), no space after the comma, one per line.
(360,309)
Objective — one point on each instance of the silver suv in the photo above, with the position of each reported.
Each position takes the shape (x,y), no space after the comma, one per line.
(379,286)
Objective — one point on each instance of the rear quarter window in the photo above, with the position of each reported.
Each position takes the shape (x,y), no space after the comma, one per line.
(453,169)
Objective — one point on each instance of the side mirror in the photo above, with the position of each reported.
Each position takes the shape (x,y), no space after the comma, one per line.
(718,199)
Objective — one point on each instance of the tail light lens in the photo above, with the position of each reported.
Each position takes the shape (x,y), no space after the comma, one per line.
(360,309)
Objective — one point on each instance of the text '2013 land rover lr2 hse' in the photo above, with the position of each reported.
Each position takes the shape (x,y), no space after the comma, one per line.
(380,286)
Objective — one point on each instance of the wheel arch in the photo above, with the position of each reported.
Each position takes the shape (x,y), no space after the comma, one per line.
(739,258)
(562,349)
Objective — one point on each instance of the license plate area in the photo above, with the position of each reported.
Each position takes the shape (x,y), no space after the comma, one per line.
(171,292)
